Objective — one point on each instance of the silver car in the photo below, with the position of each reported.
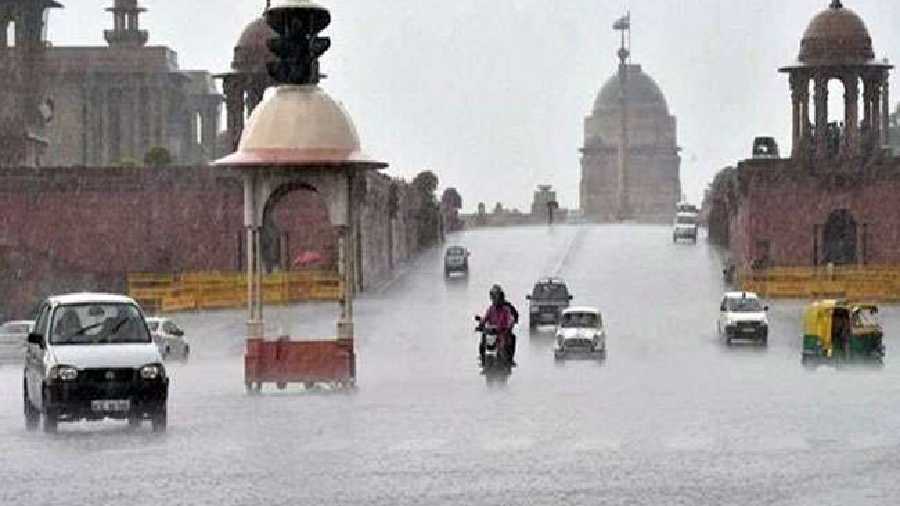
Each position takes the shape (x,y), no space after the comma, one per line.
(169,338)
(13,335)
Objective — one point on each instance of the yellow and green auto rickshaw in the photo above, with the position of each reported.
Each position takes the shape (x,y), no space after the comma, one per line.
(837,331)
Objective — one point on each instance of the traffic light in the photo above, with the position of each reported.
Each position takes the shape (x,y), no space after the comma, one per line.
(297,45)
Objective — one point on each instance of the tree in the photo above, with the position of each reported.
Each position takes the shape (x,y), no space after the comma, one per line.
(426,182)
(158,157)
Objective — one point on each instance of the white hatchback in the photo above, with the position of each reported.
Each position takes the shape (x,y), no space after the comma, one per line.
(743,318)
(91,357)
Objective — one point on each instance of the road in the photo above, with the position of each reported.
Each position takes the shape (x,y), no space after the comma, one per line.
(672,417)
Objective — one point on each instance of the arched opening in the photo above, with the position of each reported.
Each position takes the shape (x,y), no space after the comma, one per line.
(839,241)
(198,129)
(297,233)
(11,34)
(836,129)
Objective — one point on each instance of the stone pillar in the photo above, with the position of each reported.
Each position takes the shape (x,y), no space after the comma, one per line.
(235,106)
(850,146)
(821,90)
(795,115)
(210,127)
(255,92)
(805,133)
(885,112)
(876,115)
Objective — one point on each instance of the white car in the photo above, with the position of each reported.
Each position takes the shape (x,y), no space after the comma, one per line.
(685,227)
(580,334)
(169,338)
(743,318)
(91,357)
(13,335)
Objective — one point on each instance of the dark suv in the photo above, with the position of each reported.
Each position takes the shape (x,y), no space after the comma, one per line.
(547,301)
(456,259)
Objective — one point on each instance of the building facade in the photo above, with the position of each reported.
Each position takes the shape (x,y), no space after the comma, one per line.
(635,119)
(110,105)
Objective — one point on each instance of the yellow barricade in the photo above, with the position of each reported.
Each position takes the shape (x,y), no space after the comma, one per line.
(226,290)
(877,283)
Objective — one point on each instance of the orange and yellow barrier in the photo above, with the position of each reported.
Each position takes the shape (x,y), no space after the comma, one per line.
(226,290)
(877,283)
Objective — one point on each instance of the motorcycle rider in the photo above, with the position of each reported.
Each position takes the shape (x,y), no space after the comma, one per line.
(504,316)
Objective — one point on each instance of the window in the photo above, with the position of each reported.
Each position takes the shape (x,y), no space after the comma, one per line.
(11,34)
(580,320)
(743,305)
(97,324)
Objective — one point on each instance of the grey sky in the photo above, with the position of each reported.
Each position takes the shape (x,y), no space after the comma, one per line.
(492,94)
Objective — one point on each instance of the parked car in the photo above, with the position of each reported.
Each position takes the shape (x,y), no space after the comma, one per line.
(742,317)
(581,334)
(548,299)
(686,226)
(169,338)
(456,260)
(91,357)
(12,339)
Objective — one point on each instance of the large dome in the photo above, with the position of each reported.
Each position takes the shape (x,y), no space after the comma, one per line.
(297,125)
(641,90)
(252,51)
(836,35)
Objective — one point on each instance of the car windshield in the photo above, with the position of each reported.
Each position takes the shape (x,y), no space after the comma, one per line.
(456,252)
(686,220)
(14,328)
(550,291)
(743,305)
(580,320)
(98,324)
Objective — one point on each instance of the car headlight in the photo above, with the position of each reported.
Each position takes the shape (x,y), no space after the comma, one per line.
(64,373)
(151,371)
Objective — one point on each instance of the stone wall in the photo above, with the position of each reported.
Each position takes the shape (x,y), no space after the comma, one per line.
(780,211)
(65,229)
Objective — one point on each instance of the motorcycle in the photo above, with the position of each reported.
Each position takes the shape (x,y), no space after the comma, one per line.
(495,362)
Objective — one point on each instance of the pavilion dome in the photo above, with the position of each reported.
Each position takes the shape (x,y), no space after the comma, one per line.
(641,90)
(836,35)
(252,51)
(296,125)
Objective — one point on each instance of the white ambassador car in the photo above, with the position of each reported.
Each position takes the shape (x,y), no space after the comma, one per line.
(580,334)
(13,335)
(169,338)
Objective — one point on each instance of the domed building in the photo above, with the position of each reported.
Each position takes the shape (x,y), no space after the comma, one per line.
(110,105)
(245,85)
(646,185)
(834,200)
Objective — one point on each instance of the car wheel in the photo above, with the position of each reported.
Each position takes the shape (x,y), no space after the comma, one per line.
(187,353)
(32,415)
(51,421)
(159,421)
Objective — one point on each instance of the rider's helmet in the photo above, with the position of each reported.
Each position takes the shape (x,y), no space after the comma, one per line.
(497,295)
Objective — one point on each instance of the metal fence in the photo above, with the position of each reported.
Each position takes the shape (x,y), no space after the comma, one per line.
(225,290)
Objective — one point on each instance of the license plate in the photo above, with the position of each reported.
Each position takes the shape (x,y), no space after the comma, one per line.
(111,405)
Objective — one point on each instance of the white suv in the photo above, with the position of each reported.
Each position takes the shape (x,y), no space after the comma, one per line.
(685,227)
(91,357)
(743,317)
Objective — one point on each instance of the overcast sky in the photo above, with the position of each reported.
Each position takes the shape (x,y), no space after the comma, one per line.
(492,94)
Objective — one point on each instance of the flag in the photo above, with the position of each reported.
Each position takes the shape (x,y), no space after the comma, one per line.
(624,23)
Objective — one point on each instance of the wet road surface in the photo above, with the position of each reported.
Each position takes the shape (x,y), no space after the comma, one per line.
(673,416)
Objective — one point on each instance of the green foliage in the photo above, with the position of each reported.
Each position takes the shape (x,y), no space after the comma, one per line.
(426,182)
(158,157)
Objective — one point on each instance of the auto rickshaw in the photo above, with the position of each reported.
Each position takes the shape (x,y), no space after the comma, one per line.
(837,331)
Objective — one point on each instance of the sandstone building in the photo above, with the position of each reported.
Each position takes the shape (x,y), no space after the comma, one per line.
(109,105)
(834,201)
(630,119)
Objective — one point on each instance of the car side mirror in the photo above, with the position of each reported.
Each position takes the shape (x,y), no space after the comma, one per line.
(765,308)
(722,307)
(571,297)
(478,319)
(528,297)
(35,338)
